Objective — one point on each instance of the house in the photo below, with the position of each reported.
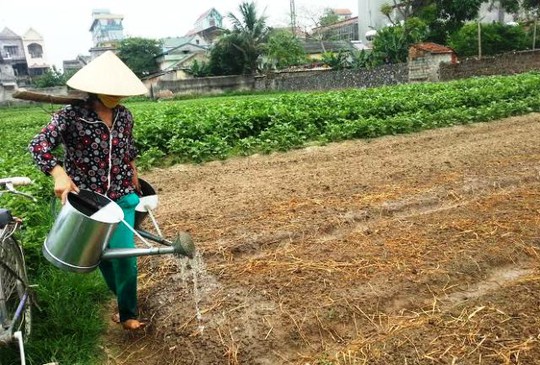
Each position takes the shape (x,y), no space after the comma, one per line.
(425,58)
(107,31)
(72,66)
(21,57)
(180,52)
(209,19)
(12,52)
(36,59)
(208,25)
(344,30)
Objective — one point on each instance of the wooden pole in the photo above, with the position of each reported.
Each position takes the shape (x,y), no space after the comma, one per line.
(479,40)
(534,34)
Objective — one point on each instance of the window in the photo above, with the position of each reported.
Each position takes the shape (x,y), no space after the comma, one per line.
(11,51)
(35,50)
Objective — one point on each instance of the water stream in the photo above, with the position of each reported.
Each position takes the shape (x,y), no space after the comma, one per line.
(197,270)
(194,270)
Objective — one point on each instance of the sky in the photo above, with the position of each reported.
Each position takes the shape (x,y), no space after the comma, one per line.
(65,24)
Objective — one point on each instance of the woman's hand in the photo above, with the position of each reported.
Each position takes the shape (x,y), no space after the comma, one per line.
(62,183)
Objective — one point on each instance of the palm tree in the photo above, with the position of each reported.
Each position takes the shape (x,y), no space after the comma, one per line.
(249,34)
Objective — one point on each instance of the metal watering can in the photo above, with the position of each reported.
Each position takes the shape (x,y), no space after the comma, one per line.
(79,236)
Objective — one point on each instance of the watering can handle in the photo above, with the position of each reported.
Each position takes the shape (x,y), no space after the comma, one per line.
(95,206)
(89,204)
(136,233)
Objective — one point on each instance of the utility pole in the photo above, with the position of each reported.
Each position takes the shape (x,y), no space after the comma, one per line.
(293,18)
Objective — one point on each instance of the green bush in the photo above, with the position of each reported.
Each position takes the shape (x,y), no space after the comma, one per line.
(496,38)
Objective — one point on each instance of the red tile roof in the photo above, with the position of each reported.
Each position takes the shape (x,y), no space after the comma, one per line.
(433,47)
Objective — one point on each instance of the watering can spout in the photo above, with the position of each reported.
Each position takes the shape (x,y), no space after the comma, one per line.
(183,245)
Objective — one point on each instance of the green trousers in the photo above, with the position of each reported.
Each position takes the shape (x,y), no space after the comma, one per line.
(121,274)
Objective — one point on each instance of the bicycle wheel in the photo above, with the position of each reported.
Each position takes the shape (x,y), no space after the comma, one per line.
(13,289)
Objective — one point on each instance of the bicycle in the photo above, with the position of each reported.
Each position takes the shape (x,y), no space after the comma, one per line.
(15,298)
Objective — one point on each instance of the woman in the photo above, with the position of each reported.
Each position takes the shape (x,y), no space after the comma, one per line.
(99,155)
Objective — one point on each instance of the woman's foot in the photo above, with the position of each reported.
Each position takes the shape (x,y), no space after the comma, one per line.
(133,324)
(115,318)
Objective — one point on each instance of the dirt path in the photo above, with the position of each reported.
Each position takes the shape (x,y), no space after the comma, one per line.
(414,249)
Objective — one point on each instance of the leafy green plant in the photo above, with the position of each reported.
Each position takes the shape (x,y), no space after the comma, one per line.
(283,49)
(199,69)
(496,38)
(391,44)
(149,158)
(140,54)
(337,61)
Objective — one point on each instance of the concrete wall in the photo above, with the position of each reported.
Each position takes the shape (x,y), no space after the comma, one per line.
(6,94)
(505,64)
(206,85)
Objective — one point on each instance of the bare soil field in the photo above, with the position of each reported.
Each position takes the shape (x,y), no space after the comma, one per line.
(411,249)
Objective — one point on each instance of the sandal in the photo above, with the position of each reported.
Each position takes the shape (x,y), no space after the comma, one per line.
(115,318)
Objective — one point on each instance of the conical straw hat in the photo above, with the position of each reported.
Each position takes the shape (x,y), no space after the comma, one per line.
(107,75)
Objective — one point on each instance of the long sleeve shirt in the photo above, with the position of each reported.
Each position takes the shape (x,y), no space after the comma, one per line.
(96,157)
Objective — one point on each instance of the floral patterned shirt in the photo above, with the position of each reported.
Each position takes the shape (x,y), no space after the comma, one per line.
(96,157)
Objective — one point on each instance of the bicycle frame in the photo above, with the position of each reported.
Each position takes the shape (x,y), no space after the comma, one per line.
(13,272)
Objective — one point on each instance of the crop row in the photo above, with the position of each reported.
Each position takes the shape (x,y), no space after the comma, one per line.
(200,131)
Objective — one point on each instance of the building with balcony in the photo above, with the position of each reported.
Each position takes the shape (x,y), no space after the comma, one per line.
(107,31)
(208,25)
(12,52)
(21,57)
(34,52)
